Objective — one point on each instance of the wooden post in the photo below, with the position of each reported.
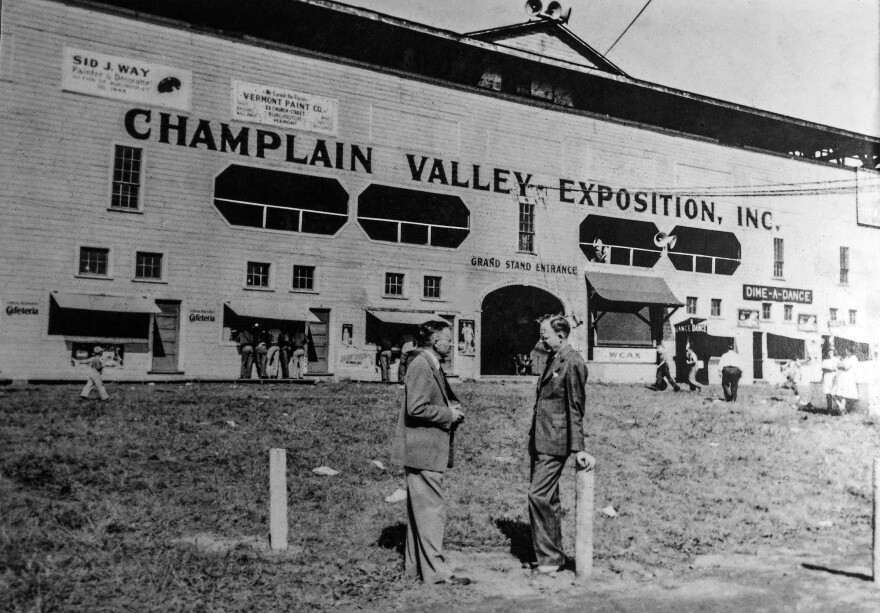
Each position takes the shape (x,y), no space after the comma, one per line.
(874,522)
(583,545)
(278,499)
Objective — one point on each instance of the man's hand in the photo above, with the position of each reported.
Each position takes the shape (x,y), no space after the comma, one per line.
(585,460)
(457,414)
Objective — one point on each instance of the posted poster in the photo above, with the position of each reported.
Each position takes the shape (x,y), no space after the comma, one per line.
(284,108)
(748,319)
(122,78)
(466,344)
(112,354)
(347,335)
(807,323)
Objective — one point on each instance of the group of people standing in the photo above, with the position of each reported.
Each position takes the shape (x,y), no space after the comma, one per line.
(429,417)
(839,380)
(272,352)
(402,352)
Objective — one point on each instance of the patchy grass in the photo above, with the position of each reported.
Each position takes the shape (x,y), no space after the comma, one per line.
(153,501)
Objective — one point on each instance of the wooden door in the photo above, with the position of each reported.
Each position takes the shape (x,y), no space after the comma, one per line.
(166,332)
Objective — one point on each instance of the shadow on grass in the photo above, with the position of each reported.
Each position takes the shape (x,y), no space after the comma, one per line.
(819,410)
(393,537)
(520,535)
(842,573)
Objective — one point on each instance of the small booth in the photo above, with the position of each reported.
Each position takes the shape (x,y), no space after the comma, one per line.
(627,315)
(394,327)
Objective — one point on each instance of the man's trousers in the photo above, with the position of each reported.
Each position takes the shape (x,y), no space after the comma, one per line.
(93,379)
(426,521)
(730,376)
(545,510)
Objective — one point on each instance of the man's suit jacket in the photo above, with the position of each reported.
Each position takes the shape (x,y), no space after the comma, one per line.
(558,421)
(424,430)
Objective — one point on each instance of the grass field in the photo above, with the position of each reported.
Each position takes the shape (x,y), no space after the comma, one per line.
(158,499)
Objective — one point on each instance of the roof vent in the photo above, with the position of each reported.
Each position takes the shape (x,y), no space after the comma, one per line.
(553,11)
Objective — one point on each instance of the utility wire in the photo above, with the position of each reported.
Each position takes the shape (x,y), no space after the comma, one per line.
(627,28)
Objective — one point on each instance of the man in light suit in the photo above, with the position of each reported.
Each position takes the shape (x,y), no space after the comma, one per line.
(428,418)
(557,432)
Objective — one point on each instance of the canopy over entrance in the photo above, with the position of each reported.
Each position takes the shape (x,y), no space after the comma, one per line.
(111,304)
(633,289)
(410,318)
(282,311)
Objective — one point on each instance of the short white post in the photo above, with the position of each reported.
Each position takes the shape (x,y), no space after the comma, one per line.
(583,544)
(278,499)
(874,523)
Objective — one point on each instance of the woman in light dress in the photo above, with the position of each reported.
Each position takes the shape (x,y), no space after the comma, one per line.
(845,389)
(829,374)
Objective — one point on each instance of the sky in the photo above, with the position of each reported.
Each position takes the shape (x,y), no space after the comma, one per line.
(817,60)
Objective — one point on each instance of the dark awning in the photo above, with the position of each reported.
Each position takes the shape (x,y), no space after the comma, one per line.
(111,304)
(633,289)
(405,317)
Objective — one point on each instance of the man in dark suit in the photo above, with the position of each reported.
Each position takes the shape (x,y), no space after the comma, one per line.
(428,418)
(557,432)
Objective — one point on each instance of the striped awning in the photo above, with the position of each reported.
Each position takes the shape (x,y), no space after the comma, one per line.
(633,289)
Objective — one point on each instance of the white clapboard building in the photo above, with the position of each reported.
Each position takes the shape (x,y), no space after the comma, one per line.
(174,172)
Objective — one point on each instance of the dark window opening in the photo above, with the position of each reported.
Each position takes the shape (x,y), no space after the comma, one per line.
(624,242)
(705,251)
(413,217)
(275,200)
(620,328)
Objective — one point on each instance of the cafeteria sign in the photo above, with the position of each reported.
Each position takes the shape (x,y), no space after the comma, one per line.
(284,108)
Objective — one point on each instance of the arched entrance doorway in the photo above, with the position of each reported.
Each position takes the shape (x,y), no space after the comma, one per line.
(509,325)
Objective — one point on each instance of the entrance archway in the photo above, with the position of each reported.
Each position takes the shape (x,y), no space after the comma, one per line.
(509,325)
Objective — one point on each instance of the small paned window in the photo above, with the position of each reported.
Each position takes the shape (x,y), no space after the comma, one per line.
(93,261)
(399,215)
(303,277)
(257,274)
(787,312)
(832,314)
(766,310)
(844,265)
(527,227)
(691,305)
(716,307)
(778,257)
(852,317)
(126,178)
(148,265)
(393,284)
(432,287)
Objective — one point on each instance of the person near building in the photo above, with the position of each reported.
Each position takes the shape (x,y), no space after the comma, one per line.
(93,376)
(300,346)
(407,346)
(245,340)
(692,366)
(384,358)
(663,375)
(829,374)
(558,431)
(792,373)
(261,351)
(429,416)
(273,357)
(285,350)
(846,391)
(731,373)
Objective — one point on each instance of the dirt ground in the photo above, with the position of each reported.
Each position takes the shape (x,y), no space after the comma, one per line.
(157,501)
